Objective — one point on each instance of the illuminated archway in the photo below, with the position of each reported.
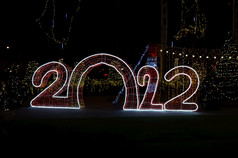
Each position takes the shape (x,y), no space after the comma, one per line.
(76,80)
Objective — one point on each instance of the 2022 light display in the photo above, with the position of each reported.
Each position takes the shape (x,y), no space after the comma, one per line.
(66,91)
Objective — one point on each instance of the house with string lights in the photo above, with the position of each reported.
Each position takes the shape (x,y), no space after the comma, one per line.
(180,49)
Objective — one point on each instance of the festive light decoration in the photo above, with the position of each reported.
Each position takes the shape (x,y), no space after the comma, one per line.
(192,21)
(202,53)
(227,72)
(49,97)
(49,25)
(11,88)
(82,68)
(180,101)
(52,96)
(139,62)
(152,55)
(152,73)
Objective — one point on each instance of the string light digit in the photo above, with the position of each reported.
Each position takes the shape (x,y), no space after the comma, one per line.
(81,70)
(152,74)
(51,96)
(180,102)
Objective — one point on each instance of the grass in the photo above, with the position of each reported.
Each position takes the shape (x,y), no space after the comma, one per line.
(200,133)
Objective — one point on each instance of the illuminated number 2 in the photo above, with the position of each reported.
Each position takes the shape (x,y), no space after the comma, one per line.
(153,79)
(50,96)
(180,102)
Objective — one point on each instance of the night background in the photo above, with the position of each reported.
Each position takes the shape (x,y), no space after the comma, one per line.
(35,32)
(113,26)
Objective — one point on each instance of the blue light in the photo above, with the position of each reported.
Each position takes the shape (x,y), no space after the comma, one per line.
(53,23)
(66,16)
(139,62)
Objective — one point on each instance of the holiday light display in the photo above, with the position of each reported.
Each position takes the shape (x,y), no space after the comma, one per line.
(152,55)
(61,38)
(83,68)
(152,73)
(73,85)
(139,62)
(227,72)
(50,96)
(193,21)
(179,102)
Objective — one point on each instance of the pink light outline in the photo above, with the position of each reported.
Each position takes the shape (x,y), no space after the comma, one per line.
(41,82)
(184,101)
(105,54)
(143,84)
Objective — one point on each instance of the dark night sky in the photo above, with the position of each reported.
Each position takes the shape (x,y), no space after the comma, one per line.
(117,27)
